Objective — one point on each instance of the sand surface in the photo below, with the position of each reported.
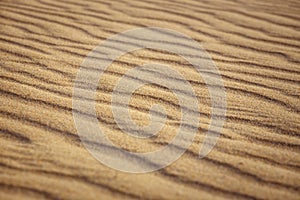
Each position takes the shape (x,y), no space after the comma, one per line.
(254,44)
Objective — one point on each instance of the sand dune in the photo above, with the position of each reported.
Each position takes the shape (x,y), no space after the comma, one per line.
(254,44)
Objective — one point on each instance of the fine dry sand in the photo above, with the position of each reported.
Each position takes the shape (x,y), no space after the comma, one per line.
(254,44)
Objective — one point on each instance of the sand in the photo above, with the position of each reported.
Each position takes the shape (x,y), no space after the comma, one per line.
(254,44)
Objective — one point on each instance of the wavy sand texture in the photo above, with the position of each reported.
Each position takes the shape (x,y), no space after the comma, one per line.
(255,45)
